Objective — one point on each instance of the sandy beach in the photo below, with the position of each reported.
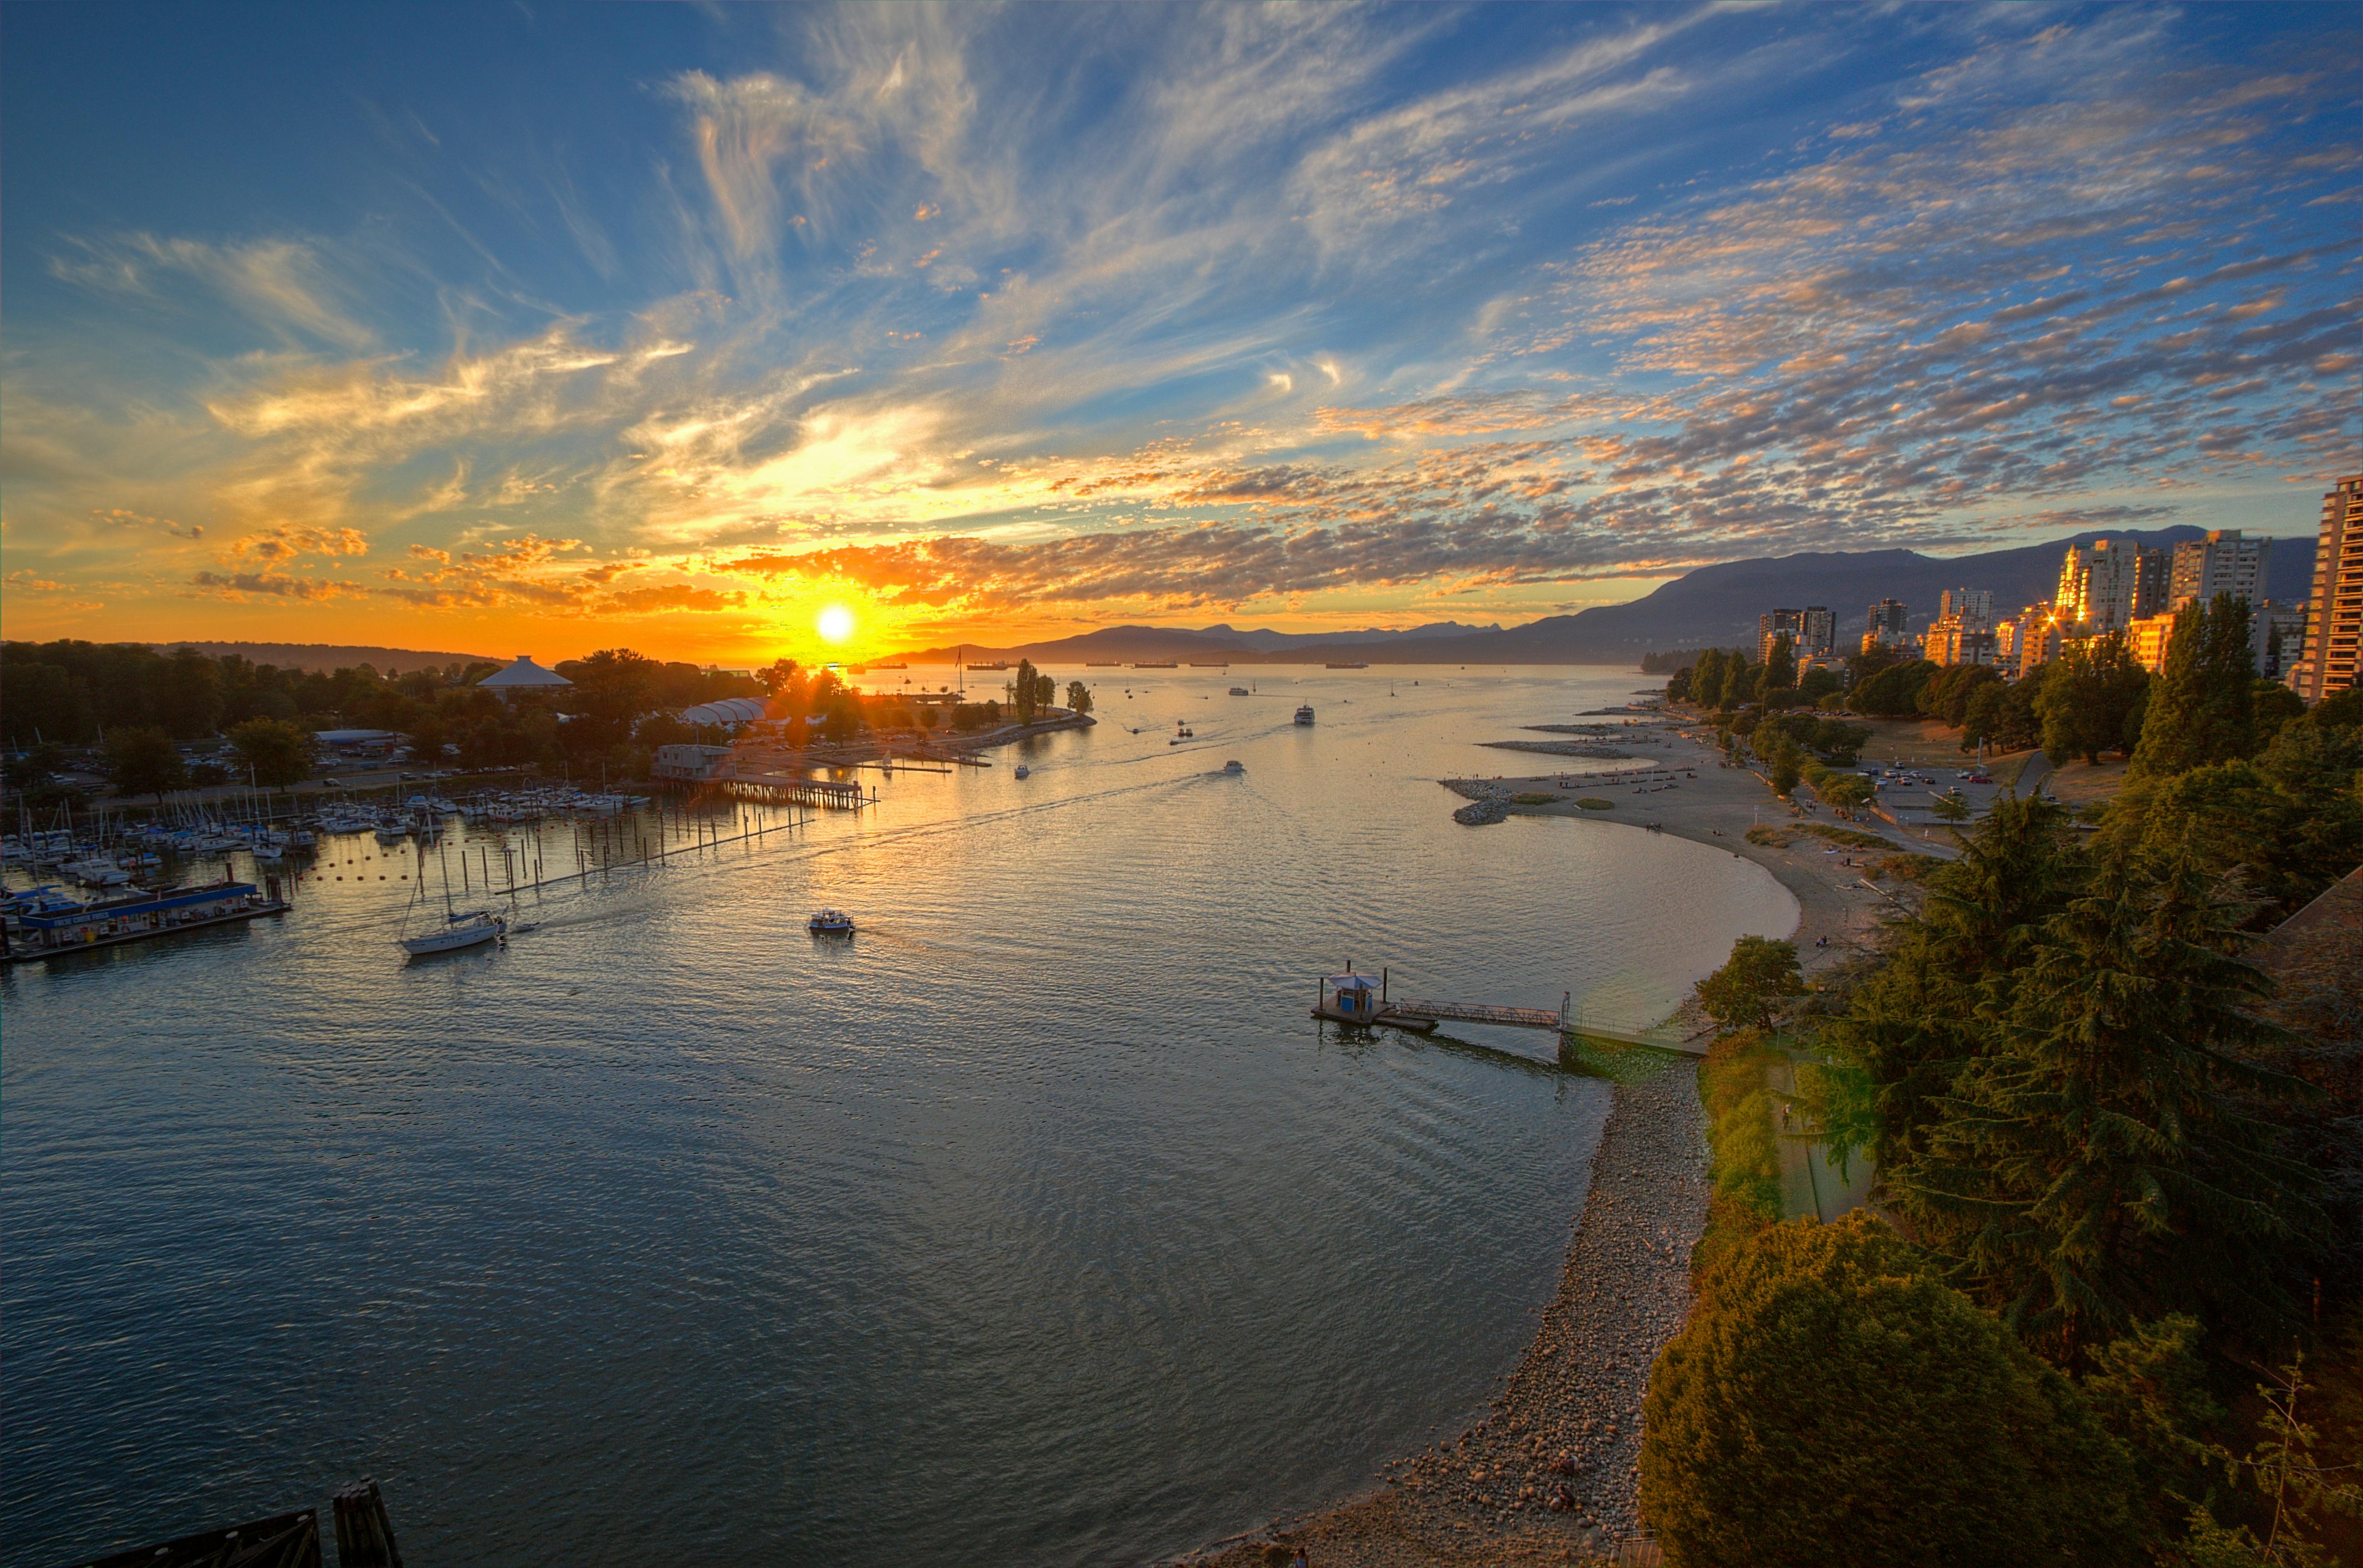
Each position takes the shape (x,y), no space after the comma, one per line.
(1547,1474)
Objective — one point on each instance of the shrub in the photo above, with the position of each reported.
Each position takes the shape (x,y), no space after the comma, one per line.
(1594,803)
(1829,1406)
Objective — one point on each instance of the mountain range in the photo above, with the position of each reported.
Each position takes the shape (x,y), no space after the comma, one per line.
(328,658)
(1714,606)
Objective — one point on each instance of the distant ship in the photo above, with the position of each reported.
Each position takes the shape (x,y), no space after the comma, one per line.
(1224,665)
(1349,666)
(1152,663)
(1238,691)
(1103,664)
(1002,663)
(1304,714)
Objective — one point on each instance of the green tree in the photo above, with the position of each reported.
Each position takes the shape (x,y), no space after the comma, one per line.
(1079,697)
(1787,765)
(2202,708)
(275,753)
(843,721)
(2102,1163)
(1738,682)
(1830,1405)
(185,697)
(1706,679)
(143,761)
(1761,972)
(1024,692)
(1779,672)
(2089,699)
(1950,808)
(1909,1027)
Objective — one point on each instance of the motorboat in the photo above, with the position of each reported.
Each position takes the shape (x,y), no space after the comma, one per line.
(472,929)
(1023,770)
(1304,714)
(830,922)
(1234,765)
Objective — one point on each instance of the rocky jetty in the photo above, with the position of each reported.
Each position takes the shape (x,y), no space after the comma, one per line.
(1484,814)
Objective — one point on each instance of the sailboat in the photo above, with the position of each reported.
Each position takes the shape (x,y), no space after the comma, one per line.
(472,929)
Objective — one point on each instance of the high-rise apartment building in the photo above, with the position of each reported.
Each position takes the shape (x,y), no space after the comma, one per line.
(2335,622)
(2280,639)
(1770,627)
(1887,615)
(1971,606)
(1817,631)
(2037,639)
(2109,583)
(2222,562)
(1957,639)
(2147,639)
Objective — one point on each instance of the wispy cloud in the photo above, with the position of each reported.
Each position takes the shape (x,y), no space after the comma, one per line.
(1097,311)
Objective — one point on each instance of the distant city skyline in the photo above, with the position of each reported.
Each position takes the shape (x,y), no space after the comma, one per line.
(569,328)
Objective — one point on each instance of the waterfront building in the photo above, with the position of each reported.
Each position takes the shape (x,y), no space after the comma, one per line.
(2109,583)
(2335,625)
(693,763)
(1887,616)
(2222,562)
(524,678)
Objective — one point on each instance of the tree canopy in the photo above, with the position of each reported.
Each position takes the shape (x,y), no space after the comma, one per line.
(1830,1404)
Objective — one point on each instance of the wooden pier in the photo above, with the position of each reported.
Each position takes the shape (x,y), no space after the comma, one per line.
(780,788)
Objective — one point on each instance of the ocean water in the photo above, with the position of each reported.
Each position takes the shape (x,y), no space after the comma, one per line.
(1037,1223)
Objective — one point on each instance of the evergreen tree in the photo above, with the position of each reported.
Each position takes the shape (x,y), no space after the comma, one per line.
(2202,707)
(1738,682)
(2088,701)
(1778,672)
(2097,1164)
(1911,1026)
(1706,679)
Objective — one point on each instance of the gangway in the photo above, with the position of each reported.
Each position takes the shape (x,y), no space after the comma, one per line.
(1566,1022)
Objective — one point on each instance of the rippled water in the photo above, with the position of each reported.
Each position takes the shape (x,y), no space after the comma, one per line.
(1037,1223)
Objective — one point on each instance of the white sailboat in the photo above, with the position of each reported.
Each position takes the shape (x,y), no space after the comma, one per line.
(472,929)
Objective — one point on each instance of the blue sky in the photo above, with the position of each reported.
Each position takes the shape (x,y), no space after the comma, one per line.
(668,325)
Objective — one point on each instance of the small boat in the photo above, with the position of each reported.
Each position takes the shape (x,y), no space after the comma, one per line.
(830,922)
(1304,714)
(459,931)
(1234,765)
(1023,770)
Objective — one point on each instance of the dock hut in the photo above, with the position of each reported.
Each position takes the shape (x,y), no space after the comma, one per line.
(1349,998)
(524,678)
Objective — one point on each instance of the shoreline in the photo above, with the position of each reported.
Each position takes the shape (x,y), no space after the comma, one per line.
(1565,1425)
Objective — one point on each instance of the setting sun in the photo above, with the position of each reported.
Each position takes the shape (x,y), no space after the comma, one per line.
(836,623)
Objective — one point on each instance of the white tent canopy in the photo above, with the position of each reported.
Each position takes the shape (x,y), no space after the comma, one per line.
(524,676)
(726,710)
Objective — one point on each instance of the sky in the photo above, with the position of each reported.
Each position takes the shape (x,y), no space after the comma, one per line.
(508,327)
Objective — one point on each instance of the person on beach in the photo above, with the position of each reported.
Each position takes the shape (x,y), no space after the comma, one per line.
(1303,1559)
